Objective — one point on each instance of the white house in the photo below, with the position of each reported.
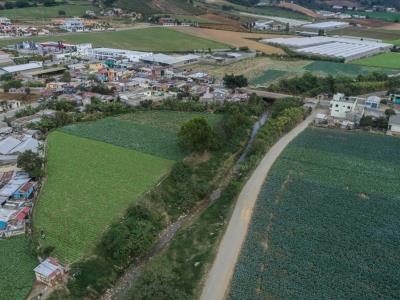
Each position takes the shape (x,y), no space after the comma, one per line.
(394,124)
(73,25)
(340,105)
(373,102)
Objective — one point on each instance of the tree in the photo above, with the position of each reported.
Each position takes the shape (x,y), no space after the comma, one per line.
(30,162)
(196,135)
(61,13)
(389,112)
(66,77)
(235,81)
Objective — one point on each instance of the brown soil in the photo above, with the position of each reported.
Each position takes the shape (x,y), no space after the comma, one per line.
(20,97)
(300,9)
(392,26)
(224,23)
(235,39)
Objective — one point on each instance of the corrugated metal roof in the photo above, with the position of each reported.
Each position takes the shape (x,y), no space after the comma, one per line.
(48,268)
(8,144)
(23,67)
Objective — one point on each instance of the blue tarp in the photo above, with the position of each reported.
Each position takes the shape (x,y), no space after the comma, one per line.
(3,225)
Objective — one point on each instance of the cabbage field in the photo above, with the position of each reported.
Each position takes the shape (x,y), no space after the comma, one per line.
(152,132)
(326,224)
(16,265)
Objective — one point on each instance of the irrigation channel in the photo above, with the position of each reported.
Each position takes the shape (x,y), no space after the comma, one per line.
(121,288)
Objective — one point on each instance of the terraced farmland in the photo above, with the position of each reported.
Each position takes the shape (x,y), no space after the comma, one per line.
(16,264)
(326,223)
(96,170)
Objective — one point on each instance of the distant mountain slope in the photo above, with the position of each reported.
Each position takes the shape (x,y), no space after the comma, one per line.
(159,6)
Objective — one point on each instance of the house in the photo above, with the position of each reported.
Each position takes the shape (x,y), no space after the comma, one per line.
(49,271)
(373,102)
(340,105)
(25,191)
(73,25)
(394,124)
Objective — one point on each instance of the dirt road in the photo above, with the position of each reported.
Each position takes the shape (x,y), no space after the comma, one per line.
(219,277)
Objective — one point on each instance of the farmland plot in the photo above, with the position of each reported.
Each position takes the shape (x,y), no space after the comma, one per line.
(149,132)
(326,223)
(97,169)
(16,264)
(89,185)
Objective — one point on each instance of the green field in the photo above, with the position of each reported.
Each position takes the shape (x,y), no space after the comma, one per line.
(267,77)
(380,15)
(147,39)
(16,264)
(373,33)
(149,132)
(89,185)
(43,12)
(384,60)
(97,169)
(326,223)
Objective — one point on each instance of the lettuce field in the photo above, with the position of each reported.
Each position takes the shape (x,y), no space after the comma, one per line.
(326,224)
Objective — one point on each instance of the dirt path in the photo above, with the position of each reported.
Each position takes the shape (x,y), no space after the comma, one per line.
(219,277)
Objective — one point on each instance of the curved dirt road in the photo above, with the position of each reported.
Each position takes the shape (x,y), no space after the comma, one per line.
(219,277)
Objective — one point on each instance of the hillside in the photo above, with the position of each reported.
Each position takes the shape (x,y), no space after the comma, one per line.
(159,6)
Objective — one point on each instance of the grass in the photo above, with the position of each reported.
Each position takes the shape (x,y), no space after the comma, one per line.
(333,68)
(271,11)
(43,12)
(268,76)
(89,185)
(326,223)
(16,264)
(147,39)
(149,132)
(373,33)
(384,60)
(384,16)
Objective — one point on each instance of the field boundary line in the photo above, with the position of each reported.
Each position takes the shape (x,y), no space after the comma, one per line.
(219,277)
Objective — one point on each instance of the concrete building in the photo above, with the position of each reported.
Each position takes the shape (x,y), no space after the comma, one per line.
(73,25)
(116,54)
(394,124)
(340,105)
(373,102)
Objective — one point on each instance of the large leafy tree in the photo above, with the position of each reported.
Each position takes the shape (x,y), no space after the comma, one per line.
(196,135)
(30,162)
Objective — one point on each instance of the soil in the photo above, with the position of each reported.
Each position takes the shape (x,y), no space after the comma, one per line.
(235,39)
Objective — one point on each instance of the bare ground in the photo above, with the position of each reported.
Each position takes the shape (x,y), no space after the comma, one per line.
(235,39)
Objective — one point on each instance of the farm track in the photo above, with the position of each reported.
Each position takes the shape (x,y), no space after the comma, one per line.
(219,277)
